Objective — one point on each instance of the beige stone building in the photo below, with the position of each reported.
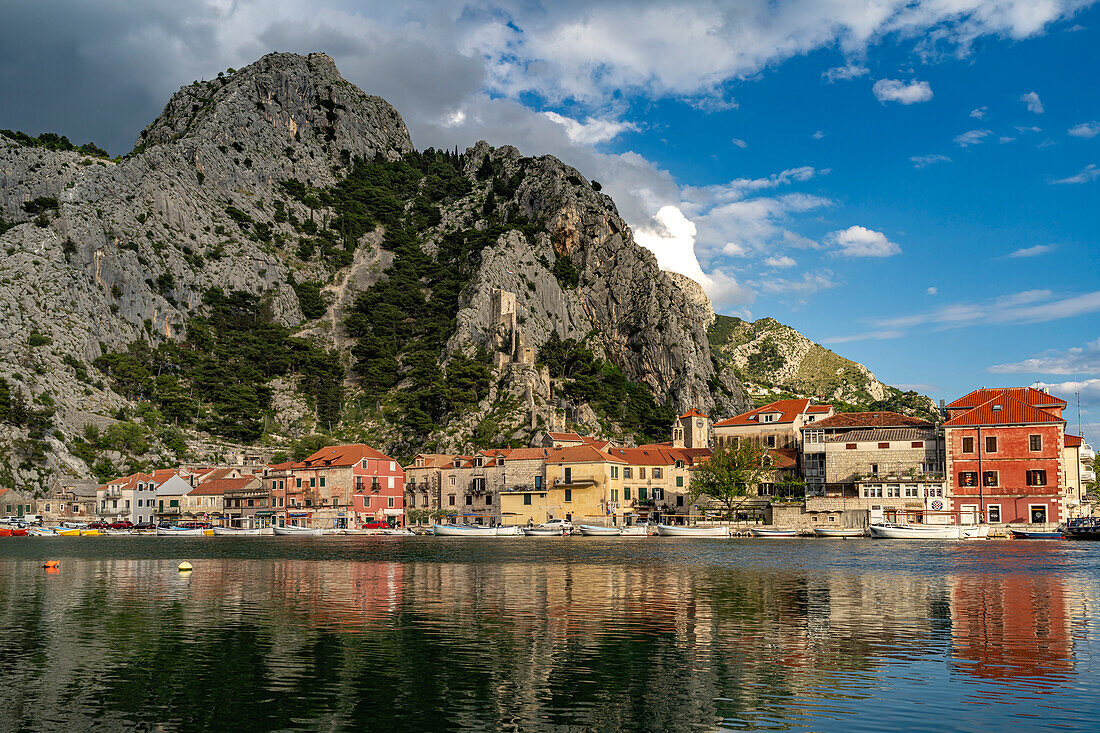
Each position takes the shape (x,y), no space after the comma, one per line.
(578,484)
(775,425)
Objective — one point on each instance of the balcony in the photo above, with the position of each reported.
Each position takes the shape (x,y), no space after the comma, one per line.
(112,493)
(581,482)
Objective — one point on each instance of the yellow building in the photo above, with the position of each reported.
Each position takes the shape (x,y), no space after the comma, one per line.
(578,486)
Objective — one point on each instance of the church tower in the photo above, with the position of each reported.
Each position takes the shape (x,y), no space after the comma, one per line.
(691,430)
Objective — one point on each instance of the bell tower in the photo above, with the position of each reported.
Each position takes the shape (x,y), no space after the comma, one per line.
(691,430)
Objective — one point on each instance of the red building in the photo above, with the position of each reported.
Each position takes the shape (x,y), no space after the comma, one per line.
(1005,454)
(338,486)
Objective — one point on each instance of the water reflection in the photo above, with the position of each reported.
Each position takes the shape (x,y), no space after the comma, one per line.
(431,635)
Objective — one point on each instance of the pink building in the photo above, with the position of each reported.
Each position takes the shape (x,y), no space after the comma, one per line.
(342,486)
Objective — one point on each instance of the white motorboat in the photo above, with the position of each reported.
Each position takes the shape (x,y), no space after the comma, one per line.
(898,531)
(511,530)
(234,532)
(397,532)
(290,531)
(594,530)
(839,532)
(772,532)
(542,532)
(668,530)
(637,530)
(179,532)
(463,530)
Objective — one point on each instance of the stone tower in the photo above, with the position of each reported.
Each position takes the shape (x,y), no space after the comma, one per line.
(691,430)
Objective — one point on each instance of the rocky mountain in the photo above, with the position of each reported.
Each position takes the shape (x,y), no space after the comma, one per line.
(772,359)
(275,260)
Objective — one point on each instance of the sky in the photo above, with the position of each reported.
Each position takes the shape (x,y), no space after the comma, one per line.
(912,183)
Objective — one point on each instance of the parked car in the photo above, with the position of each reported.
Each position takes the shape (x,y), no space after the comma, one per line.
(120,525)
(145,526)
(99,525)
(376,525)
(562,524)
(11,520)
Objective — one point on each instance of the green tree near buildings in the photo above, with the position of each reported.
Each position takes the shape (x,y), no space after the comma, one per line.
(731,475)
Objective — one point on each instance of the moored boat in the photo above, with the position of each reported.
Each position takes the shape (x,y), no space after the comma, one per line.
(1085,528)
(90,533)
(1027,534)
(290,531)
(511,530)
(668,530)
(12,532)
(234,532)
(397,532)
(895,531)
(772,532)
(541,532)
(178,532)
(595,530)
(68,532)
(465,530)
(839,532)
(636,530)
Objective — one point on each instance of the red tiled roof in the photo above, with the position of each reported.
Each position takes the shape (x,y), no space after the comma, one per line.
(217,487)
(646,455)
(1009,411)
(527,454)
(1073,441)
(692,413)
(783,457)
(881,419)
(788,409)
(1027,395)
(432,460)
(581,454)
(280,466)
(565,436)
(814,409)
(163,474)
(341,455)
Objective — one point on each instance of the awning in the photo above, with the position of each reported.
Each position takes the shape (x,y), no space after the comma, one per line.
(394,512)
(264,513)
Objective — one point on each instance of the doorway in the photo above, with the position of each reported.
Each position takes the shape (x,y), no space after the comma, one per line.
(1038,513)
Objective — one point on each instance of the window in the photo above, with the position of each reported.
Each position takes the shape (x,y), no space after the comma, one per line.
(1035,442)
(893,491)
(933,490)
(626,493)
(1038,513)
(469,500)
(874,469)
(312,481)
(849,446)
(451,499)
(298,483)
(883,445)
(968,478)
(614,472)
(1037,478)
(309,502)
(641,473)
(568,475)
(968,445)
(322,482)
(991,444)
(679,464)
(912,491)
(488,499)
(872,491)
(679,500)
(173,502)
(994,513)
(656,473)
(771,441)
(814,436)
(628,472)
(989,478)
(393,465)
(614,495)
(679,482)
(641,493)
(389,501)
(569,494)
(659,494)
(527,500)
(251,502)
(452,480)
(538,482)
(917,444)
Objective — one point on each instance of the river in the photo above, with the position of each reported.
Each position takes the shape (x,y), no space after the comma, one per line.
(555,634)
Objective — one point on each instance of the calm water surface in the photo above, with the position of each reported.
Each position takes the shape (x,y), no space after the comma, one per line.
(574,634)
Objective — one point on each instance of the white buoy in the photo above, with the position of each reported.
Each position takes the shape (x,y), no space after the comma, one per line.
(184,567)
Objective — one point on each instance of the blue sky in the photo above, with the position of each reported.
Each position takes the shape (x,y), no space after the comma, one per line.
(914,184)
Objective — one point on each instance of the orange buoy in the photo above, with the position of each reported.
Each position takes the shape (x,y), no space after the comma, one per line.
(54,564)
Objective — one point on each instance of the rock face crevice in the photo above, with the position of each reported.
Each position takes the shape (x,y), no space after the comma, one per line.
(125,249)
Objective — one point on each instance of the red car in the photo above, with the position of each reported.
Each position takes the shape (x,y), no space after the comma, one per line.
(120,525)
(99,525)
(376,525)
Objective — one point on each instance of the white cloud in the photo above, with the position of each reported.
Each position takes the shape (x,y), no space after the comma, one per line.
(1024,129)
(1004,139)
(857,241)
(671,238)
(780,261)
(739,142)
(894,90)
(733,249)
(1075,360)
(973,137)
(1088,389)
(1089,173)
(1034,104)
(1035,251)
(923,161)
(799,288)
(1085,130)
(979,113)
(591,131)
(932,290)
(845,73)
(865,336)
(818,135)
